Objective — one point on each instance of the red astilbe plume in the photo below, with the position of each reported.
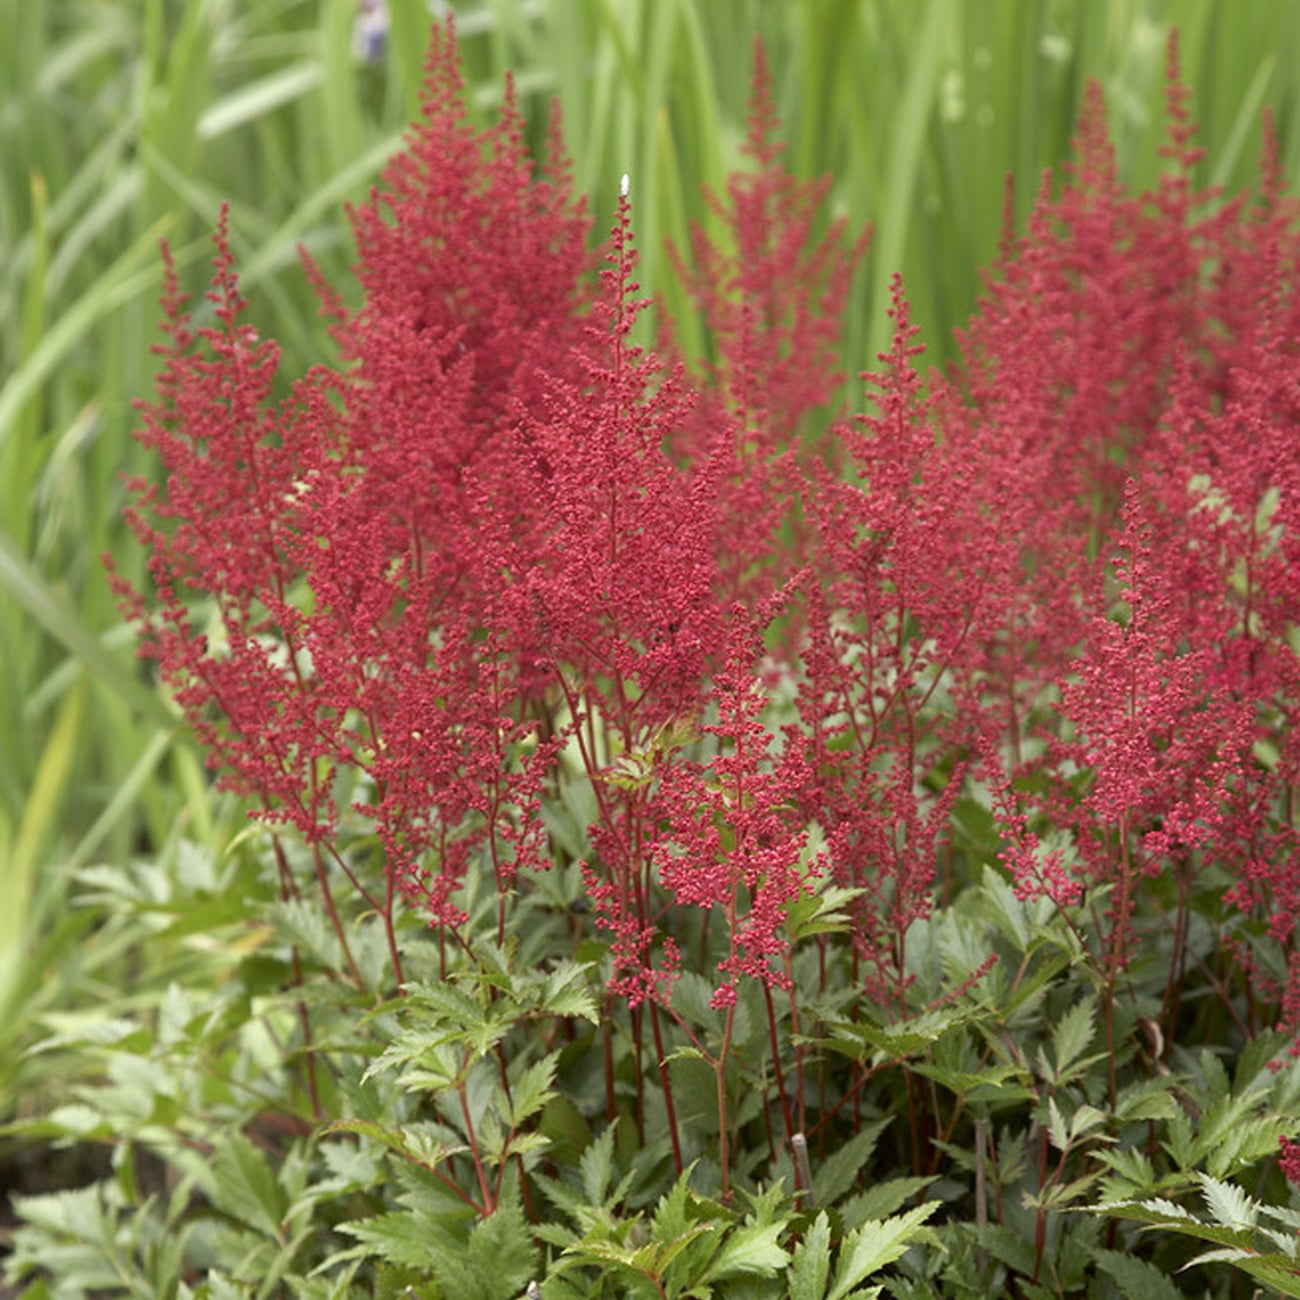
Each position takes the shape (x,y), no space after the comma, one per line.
(1233,486)
(1161,743)
(228,523)
(1152,757)
(772,290)
(357,619)
(1149,338)
(616,592)
(474,265)
(903,579)
(1067,366)
(732,838)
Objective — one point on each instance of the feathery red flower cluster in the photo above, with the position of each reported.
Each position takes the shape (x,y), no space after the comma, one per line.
(504,549)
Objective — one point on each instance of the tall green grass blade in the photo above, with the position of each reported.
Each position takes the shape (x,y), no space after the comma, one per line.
(253,102)
(120,282)
(124,798)
(36,830)
(904,164)
(29,589)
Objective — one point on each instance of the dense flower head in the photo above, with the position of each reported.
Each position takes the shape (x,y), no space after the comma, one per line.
(1289,1160)
(731,840)
(772,289)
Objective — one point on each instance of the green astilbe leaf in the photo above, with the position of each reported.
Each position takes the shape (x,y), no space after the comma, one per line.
(1229,1205)
(398,1238)
(532,1090)
(876,1244)
(810,1266)
(753,1249)
(1074,1031)
(498,1261)
(880,1200)
(1136,1278)
(1234,1234)
(246,1186)
(837,1173)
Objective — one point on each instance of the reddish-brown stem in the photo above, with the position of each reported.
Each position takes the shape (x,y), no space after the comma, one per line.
(786,1115)
(607,1043)
(322,878)
(480,1170)
(724,1120)
(638,1047)
(666,1082)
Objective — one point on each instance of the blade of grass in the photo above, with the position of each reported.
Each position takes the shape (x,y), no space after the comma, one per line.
(30,590)
(903,166)
(35,830)
(121,281)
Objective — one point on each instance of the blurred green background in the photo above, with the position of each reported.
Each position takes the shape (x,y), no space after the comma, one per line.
(122,121)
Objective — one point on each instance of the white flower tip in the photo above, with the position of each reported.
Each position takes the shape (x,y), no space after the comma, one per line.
(623,185)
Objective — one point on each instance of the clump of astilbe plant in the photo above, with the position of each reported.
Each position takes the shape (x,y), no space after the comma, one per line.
(1136,337)
(724,787)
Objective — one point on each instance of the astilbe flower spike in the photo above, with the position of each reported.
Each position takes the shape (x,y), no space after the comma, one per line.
(895,594)
(772,290)
(616,594)
(732,838)
(1066,367)
(357,621)
(1161,745)
(1148,339)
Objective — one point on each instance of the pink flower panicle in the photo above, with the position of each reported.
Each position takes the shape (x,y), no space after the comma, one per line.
(1289,1160)
(355,607)
(732,839)
(772,291)
(892,599)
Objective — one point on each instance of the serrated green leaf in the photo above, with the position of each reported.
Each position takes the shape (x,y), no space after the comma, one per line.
(875,1244)
(1073,1033)
(671,1251)
(1010,1248)
(1229,1205)
(899,1042)
(1137,1279)
(532,1090)
(671,1216)
(567,995)
(246,1187)
(447,1000)
(684,1054)
(400,1238)
(1148,1099)
(820,913)
(415,1145)
(597,1167)
(1161,1213)
(881,1200)
(1085,1120)
(752,1250)
(1275,1271)
(499,1262)
(811,1264)
(1007,910)
(1056,1127)
(834,1175)
(995,1083)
